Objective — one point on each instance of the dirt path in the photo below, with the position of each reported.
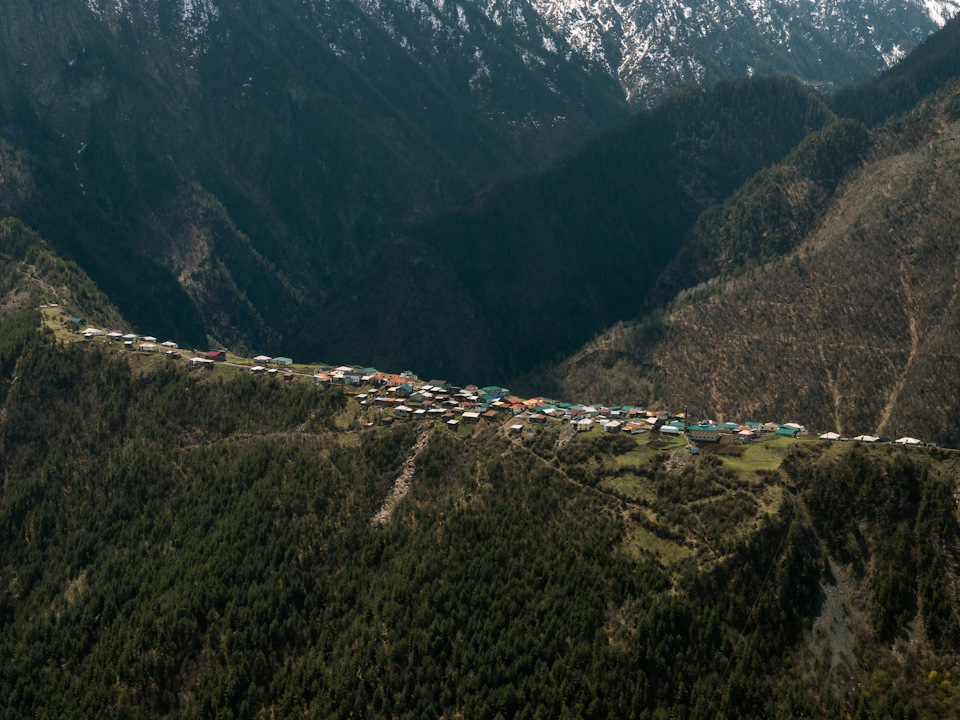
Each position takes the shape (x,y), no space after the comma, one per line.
(834,391)
(401,486)
(910,309)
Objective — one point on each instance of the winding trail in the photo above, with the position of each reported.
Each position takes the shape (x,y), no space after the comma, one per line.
(910,309)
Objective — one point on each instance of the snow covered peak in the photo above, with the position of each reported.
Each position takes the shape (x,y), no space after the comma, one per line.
(652,46)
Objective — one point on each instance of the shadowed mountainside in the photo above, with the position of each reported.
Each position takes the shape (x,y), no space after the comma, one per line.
(527,270)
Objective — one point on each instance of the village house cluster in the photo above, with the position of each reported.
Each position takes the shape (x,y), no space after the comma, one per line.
(405,397)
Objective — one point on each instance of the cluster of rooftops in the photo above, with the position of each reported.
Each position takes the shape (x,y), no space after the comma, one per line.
(405,396)
(411,398)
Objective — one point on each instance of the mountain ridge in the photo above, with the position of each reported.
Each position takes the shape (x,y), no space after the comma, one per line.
(846,325)
(654,47)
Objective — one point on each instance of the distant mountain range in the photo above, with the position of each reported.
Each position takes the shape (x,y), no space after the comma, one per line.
(652,47)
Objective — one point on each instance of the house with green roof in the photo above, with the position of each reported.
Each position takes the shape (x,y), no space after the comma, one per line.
(704,433)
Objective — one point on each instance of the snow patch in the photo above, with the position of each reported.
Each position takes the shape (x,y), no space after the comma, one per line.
(483,71)
(895,55)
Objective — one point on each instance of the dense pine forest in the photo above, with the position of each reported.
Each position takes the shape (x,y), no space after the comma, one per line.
(181,543)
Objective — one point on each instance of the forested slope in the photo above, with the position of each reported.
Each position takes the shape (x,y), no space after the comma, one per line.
(30,271)
(837,307)
(189,544)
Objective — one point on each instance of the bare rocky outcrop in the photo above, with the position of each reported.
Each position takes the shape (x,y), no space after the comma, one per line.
(401,485)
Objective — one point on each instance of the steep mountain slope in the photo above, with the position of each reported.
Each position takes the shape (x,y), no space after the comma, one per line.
(849,328)
(652,47)
(30,272)
(897,90)
(189,544)
(529,269)
(309,130)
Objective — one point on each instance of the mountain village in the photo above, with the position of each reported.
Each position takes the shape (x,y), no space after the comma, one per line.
(385,398)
